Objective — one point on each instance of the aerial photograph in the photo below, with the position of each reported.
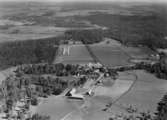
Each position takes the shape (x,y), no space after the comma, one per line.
(83,59)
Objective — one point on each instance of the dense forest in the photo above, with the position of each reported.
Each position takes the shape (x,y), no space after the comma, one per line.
(86,36)
(27,52)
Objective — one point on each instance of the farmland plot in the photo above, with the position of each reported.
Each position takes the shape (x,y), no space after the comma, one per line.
(110,55)
(57,107)
(74,54)
(146,92)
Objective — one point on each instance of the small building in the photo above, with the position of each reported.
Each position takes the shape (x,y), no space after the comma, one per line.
(90,93)
(95,65)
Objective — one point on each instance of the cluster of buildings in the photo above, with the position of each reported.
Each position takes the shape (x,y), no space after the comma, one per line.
(97,72)
(92,71)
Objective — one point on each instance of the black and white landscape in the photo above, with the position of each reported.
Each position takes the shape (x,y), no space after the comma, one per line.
(83,60)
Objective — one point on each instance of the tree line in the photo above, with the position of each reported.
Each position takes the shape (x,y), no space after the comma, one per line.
(86,36)
(58,69)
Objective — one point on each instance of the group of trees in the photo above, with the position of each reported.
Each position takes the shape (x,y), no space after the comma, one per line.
(162,109)
(159,69)
(58,69)
(28,52)
(49,83)
(141,116)
(45,86)
(86,36)
(39,117)
(11,92)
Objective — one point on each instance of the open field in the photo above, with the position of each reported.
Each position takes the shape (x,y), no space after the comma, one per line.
(24,32)
(78,54)
(119,87)
(22,37)
(110,56)
(106,94)
(111,53)
(128,23)
(144,95)
(20,33)
(138,52)
(57,107)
